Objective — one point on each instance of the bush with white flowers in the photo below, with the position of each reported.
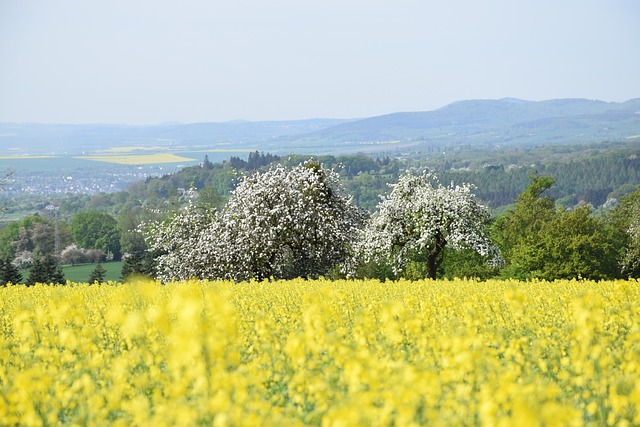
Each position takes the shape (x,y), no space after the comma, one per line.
(419,218)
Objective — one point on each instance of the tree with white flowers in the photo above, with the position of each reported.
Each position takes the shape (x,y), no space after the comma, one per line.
(189,244)
(419,218)
(290,223)
(631,258)
(282,223)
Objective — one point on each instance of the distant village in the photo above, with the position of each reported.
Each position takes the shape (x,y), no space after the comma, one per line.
(78,181)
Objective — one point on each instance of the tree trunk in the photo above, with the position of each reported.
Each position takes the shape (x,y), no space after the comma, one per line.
(434,258)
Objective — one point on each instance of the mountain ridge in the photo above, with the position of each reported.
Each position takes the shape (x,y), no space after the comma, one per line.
(480,121)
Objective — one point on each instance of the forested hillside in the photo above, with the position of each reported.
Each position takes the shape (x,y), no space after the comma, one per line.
(85,228)
(590,174)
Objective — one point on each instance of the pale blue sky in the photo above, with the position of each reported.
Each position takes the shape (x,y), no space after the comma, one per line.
(151,61)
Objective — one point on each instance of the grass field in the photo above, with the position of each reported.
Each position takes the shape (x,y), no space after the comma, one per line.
(81,273)
(26,157)
(42,163)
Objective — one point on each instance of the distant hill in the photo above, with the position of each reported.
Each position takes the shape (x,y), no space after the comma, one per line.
(494,122)
(504,121)
(72,139)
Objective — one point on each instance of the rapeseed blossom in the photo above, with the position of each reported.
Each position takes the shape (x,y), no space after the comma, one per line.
(316,352)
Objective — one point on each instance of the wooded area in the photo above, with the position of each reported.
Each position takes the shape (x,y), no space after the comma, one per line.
(589,185)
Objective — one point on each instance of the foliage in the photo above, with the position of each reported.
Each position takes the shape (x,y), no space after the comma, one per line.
(9,273)
(74,255)
(631,260)
(137,263)
(322,353)
(583,174)
(420,218)
(519,232)
(255,161)
(32,234)
(281,223)
(46,270)
(539,241)
(592,179)
(576,244)
(98,274)
(97,230)
(465,263)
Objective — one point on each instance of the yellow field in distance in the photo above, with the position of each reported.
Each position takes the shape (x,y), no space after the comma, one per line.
(139,159)
(118,150)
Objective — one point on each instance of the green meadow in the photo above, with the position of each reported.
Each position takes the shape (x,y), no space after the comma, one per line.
(81,273)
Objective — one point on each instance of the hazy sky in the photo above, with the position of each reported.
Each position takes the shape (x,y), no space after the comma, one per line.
(151,61)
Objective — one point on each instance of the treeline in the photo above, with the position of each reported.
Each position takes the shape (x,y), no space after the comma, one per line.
(591,180)
(598,179)
(296,222)
(50,226)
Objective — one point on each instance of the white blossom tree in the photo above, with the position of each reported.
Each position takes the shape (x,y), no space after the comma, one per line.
(419,218)
(290,223)
(281,223)
(187,245)
(631,258)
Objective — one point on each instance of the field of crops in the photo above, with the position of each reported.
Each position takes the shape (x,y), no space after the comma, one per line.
(321,353)
(138,159)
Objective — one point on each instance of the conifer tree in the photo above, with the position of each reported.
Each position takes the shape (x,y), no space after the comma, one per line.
(46,270)
(9,273)
(98,274)
(54,271)
(37,273)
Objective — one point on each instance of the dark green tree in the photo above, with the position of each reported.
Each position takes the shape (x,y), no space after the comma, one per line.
(137,263)
(577,244)
(46,270)
(206,164)
(518,232)
(98,274)
(465,263)
(539,241)
(55,271)
(8,272)
(37,273)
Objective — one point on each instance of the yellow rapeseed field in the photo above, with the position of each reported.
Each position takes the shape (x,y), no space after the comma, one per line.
(325,353)
(137,159)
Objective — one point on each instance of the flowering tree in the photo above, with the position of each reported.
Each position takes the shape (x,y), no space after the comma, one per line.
(420,218)
(626,220)
(282,223)
(290,223)
(185,244)
(631,259)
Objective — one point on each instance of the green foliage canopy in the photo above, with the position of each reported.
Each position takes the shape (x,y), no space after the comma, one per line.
(97,230)
(539,241)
